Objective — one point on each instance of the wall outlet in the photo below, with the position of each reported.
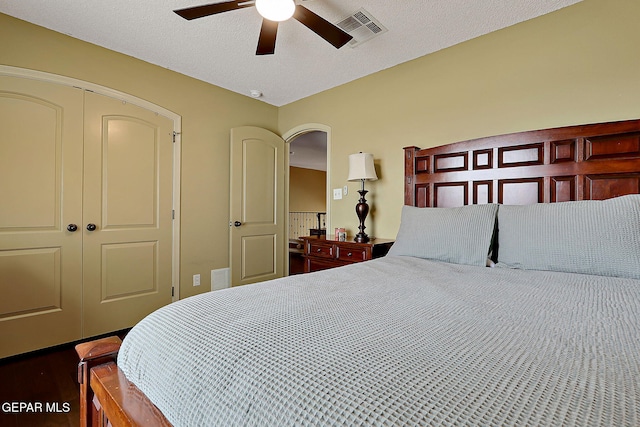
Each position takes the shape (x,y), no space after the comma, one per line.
(345,190)
(220,279)
(337,193)
(196,280)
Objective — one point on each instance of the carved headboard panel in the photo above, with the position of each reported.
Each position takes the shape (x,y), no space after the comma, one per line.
(595,161)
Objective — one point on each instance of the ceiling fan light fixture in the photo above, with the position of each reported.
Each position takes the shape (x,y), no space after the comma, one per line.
(276,10)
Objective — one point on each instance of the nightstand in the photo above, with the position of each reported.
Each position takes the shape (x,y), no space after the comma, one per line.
(322,252)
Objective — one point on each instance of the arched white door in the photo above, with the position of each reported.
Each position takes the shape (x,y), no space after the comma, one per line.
(257,212)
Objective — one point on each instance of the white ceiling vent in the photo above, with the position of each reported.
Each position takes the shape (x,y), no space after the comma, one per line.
(362,26)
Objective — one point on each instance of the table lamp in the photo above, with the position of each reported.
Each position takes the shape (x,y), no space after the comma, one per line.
(361,169)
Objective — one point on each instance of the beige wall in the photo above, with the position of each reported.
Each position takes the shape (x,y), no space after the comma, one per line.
(208,113)
(577,65)
(307,190)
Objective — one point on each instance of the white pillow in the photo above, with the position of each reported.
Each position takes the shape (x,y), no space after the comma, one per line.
(456,235)
(600,237)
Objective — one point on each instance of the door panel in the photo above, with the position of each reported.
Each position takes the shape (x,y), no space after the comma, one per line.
(130,199)
(35,202)
(41,189)
(257,202)
(258,256)
(39,294)
(128,196)
(128,270)
(259,181)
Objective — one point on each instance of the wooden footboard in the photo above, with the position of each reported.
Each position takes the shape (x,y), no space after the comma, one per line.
(106,396)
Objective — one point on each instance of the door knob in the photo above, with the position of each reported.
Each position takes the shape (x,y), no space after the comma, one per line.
(237,223)
(72,227)
(91,227)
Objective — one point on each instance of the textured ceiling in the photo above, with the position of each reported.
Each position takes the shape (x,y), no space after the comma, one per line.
(220,49)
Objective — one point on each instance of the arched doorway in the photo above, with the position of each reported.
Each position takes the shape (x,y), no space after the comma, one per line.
(308,184)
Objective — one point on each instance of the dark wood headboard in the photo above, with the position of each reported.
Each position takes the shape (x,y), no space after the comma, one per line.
(595,161)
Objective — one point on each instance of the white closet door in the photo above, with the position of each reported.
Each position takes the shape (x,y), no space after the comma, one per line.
(128,184)
(128,189)
(40,197)
(70,158)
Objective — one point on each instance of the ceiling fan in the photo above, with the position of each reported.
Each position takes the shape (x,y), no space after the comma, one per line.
(273,11)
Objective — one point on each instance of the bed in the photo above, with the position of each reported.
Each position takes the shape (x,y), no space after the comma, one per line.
(429,334)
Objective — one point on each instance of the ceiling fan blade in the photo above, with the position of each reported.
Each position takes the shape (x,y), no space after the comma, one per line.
(322,27)
(267,39)
(211,9)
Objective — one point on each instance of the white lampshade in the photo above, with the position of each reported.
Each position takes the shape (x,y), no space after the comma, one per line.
(276,10)
(361,167)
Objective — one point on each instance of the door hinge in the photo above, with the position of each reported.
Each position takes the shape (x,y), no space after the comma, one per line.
(173,214)
(172,291)
(174,136)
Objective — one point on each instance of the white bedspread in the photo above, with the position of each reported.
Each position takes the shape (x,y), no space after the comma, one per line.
(397,341)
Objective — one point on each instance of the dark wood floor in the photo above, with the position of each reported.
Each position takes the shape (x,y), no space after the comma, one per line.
(47,380)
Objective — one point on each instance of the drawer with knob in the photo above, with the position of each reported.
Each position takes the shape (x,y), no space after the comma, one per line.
(321,253)
(353,254)
(319,249)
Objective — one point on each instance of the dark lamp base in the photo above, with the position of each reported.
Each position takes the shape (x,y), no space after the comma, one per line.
(361,238)
(362,209)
